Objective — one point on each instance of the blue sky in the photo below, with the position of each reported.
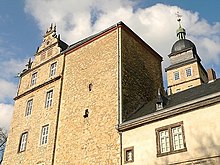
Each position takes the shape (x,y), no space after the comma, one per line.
(23,23)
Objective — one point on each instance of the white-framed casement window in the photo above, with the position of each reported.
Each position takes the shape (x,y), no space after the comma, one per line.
(129,155)
(49,99)
(176,75)
(29,107)
(164,141)
(34,78)
(44,134)
(170,139)
(188,72)
(53,68)
(23,142)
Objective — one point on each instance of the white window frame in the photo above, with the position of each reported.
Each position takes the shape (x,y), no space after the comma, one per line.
(174,140)
(34,78)
(49,99)
(177,136)
(129,155)
(189,72)
(53,68)
(176,75)
(44,134)
(23,142)
(164,141)
(29,107)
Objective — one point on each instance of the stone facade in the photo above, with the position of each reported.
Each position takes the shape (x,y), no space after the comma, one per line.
(141,73)
(93,139)
(184,82)
(97,80)
(40,115)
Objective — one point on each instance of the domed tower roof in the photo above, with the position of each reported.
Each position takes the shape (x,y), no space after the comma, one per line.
(183,44)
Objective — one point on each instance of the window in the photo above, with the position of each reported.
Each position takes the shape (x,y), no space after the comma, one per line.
(29,107)
(34,79)
(188,72)
(44,134)
(49,98)
(170,139)
(129,154)
(176,75)
(53,68)
(23,142)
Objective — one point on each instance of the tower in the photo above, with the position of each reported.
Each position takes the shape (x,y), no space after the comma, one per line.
(186,70)
(72,98)
(33,128)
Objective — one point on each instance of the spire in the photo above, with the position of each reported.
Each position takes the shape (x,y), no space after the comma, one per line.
(180,32)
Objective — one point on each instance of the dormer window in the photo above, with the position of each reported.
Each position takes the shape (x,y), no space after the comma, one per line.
(159,106)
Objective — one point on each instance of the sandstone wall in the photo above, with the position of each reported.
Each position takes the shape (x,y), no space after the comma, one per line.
(92,140)
(141,73)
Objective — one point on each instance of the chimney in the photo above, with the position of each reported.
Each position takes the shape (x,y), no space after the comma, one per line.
(211,75)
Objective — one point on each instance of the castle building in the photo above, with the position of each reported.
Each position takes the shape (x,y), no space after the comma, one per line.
(180,128)
(101,101)
(71,98)
(185,70)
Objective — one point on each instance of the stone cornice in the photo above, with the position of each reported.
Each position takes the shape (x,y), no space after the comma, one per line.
(38,87)
(185,82)
(170,112)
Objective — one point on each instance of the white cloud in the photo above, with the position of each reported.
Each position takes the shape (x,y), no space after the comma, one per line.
(10,68)
(7,90)
(6,111)
(156,24)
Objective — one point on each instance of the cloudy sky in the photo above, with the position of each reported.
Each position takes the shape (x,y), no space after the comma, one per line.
(23,23)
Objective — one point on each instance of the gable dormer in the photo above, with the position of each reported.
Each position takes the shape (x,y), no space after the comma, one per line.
(50,47)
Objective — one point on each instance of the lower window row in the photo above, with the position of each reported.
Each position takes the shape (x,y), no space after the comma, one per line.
(170,139)
(43,138)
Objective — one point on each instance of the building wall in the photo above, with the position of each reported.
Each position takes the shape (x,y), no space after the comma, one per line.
(92,140)
(141,73)
(184,82)
(43,70)
(202,132)
(40,116)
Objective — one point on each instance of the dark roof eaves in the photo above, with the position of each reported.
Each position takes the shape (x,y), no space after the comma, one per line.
(181,64)
(170,111)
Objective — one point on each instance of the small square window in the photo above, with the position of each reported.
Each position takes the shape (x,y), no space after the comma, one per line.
(44,134)
(176,75)
(188,72)
(34,78)
(49,99)
(53,68)
(129,154)
(23,142)
(29,107)
(170,139)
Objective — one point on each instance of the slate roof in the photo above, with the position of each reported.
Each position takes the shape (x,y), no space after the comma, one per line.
(179,98)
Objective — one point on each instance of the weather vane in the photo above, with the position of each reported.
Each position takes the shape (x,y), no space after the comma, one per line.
(178,15)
